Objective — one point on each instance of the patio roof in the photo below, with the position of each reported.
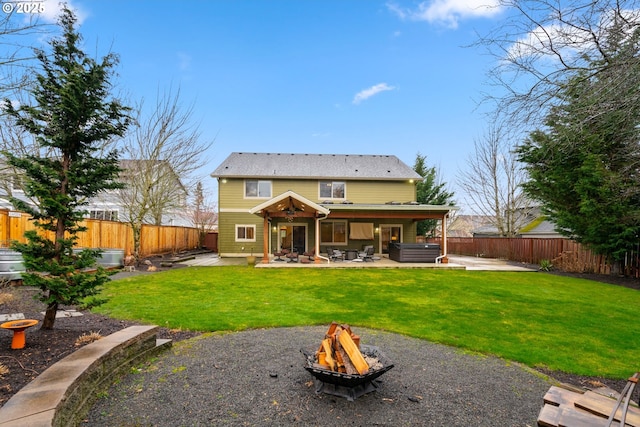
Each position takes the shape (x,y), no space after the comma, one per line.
(389,210)
(289,202)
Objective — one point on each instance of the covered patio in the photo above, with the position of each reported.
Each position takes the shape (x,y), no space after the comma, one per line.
(292,208)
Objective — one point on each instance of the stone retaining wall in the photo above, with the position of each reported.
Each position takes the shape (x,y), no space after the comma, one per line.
(64,393)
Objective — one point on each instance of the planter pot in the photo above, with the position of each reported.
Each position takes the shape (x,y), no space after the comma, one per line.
(251,260)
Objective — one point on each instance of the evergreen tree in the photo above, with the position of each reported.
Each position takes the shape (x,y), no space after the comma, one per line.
(73,116)
(583,164)
(430,191)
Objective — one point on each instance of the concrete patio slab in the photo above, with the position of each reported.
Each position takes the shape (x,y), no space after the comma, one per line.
(457,262)
(488,264)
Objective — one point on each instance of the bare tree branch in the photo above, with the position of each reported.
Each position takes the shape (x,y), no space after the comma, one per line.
(163,155)
(492,183)
(545,42)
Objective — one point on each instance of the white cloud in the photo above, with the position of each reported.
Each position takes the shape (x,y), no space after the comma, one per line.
(369,92)
(538,42)
(14,103)
(447,12)
(52,10)
(552,39)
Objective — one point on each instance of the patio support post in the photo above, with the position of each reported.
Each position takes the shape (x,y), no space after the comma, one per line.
(445,260)
(317,243)
(265,239)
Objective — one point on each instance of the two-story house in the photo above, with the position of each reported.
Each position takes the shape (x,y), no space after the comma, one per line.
(271,201)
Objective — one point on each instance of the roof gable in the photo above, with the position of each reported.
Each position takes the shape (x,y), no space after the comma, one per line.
(314,166)
(289,200)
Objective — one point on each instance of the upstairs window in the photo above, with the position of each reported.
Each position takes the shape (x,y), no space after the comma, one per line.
(257,188)
(333,189)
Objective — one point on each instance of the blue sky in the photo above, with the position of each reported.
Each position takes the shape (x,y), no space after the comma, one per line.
(316,76)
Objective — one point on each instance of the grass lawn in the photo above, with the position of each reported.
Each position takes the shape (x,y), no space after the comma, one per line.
(542,320)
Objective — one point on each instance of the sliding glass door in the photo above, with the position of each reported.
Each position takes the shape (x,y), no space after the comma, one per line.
(389,233)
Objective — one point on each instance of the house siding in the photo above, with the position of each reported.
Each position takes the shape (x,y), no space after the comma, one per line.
(234,210)
(231,192)
(228,246)
(380,191)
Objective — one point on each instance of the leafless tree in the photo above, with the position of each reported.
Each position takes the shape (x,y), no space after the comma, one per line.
(16,49)
(16,140)
(202,214)
(163,155)
(492,183)
(16,59)
(542,43)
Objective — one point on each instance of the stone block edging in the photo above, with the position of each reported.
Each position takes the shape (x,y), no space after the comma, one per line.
(63,393)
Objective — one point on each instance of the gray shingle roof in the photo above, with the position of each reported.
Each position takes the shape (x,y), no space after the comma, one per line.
(314,166)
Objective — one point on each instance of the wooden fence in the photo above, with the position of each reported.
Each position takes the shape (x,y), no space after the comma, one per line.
(108,235)
(564,254)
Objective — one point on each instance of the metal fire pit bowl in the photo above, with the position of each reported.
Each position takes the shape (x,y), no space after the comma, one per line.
(349,386)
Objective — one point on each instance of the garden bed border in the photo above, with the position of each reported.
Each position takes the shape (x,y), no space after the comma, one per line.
(64,393)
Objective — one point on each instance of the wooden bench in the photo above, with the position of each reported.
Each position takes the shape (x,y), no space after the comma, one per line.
(573,408)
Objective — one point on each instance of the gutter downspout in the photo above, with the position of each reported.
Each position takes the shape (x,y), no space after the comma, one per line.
(444,239)
(318,239)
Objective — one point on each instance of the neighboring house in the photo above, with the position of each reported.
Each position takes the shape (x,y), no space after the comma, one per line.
(534,225)
(161,187)
(541,228)
(108,205)
(10,186)
(273,201)
(464,225)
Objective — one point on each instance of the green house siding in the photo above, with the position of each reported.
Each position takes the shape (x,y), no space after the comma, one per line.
(231,192)
(380,191)
(228,246)
(234,208)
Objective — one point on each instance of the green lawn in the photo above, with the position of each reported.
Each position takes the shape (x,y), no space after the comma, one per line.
(561,323)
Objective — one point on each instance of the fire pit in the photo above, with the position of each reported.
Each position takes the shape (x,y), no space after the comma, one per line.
(366,364)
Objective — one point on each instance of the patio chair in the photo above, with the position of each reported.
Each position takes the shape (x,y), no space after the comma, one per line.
(293,256)
(310,254)
(363,254)
(368,253)
(336,255)
(279,256)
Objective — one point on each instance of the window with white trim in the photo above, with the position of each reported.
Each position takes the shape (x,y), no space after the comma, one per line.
(257,188)
(108,215)
(245,233)
(333,189)
(333,232)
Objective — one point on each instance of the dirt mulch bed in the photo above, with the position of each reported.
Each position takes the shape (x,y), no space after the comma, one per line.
(45,347)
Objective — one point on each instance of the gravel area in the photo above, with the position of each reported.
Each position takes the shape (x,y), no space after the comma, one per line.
(257,378)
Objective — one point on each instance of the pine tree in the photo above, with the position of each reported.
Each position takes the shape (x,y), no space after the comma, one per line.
(430,192)
(72,117)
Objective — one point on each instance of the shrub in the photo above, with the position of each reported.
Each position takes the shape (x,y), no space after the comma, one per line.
(545,265)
